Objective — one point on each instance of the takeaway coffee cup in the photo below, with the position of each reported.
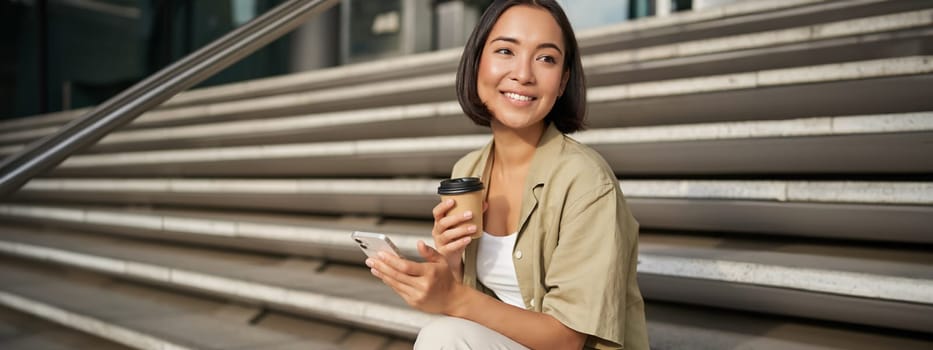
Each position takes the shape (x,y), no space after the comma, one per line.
(467,193)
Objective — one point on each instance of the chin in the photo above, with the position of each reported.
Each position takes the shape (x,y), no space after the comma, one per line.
(519,125)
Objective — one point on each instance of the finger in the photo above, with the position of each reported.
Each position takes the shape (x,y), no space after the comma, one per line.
(453,220)
(485,206)
(403,290)
(407,267)
(396,268)
(456,233)
(428,253)
(440,210)
(455,247)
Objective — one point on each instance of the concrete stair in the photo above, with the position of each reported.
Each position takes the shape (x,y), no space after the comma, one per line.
(22,331)
(823,209)
(140,316)
(834,144)
(873,286)
(349,294)
(776,154)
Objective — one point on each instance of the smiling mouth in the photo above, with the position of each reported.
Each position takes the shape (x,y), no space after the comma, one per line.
(517,97)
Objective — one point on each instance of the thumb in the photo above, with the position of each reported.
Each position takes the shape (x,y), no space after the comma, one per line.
(428,253)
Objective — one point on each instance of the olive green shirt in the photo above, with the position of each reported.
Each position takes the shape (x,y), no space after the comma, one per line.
(577,247)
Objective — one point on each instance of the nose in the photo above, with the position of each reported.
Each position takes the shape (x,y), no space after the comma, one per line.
(522,72)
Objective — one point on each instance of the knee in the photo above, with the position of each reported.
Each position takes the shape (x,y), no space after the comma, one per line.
(441,333)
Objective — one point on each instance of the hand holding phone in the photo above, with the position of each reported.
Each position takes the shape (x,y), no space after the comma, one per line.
(372,243)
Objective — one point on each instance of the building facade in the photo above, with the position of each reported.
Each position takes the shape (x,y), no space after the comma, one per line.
(65,54)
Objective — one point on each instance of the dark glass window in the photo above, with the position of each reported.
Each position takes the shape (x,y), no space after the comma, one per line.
(375,28)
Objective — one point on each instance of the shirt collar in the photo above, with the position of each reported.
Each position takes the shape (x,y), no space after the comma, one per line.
(543,162)
(542,167)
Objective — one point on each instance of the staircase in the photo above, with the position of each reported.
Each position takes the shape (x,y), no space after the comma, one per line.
(776,153)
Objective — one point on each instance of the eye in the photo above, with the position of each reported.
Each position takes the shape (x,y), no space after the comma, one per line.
(547,59)
(503,51)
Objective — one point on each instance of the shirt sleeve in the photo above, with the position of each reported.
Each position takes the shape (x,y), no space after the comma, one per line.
(587,279)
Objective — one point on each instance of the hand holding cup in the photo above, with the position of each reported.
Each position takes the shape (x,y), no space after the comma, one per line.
(458,218)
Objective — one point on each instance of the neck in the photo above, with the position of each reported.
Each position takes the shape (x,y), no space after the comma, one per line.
(514,148)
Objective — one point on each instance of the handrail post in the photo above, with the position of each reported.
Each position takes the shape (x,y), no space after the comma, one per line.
(123,108)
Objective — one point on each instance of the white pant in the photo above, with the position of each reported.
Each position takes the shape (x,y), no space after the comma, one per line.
(453,333)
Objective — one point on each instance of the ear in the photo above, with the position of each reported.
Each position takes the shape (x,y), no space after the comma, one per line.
(563,82)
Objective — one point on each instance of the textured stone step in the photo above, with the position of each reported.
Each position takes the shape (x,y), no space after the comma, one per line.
(873,37)
(877,211)
(685,327)
(670,326)
(731,19)
(355,299)
(431,119)
(22,331)
(816,281)
(149,318)
(878,287)
(440,87)
(304,235)
(209,324)
(888,143)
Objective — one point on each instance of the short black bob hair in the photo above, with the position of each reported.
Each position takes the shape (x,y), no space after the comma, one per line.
(569,110)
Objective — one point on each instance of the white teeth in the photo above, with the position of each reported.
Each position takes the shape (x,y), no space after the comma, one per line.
(518,97)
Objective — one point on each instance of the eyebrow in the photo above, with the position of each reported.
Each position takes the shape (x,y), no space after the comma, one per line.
(515,41)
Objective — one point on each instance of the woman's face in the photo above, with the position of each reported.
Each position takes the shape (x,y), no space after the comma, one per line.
(521,71)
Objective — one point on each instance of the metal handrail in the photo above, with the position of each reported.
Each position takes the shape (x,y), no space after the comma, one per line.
(123,108)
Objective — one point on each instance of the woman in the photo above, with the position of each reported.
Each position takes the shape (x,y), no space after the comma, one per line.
(555,267)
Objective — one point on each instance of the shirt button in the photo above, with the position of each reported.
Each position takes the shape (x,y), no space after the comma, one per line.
(518,254)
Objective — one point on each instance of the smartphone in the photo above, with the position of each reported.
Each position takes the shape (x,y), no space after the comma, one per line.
(373,243)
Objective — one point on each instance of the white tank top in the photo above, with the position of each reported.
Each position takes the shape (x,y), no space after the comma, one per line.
(495,269)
